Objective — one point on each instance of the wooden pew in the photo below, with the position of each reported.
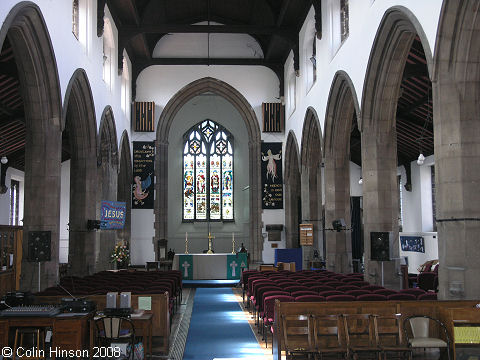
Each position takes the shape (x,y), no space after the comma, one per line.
(160,311)
(436,309)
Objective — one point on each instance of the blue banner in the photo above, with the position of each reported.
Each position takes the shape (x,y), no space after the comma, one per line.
(113,215)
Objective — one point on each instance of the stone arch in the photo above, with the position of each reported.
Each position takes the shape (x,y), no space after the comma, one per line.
(107,175)
(124,191)
(311,180)
(456,100)
(342,106)
(27,32)
(292,191)
(381,91)
(167,116)
(79,122)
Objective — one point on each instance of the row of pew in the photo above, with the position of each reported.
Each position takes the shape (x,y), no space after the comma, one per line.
(263,288)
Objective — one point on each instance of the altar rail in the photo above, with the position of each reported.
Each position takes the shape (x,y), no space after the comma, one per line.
(160,311)
(436,309)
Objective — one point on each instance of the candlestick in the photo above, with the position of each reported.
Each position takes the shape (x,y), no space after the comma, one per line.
(233,243)
(186,243)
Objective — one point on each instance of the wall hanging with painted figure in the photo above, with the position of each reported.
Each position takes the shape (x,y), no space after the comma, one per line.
(272,177)
(143,174)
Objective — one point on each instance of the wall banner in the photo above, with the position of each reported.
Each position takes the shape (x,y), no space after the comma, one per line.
(143,174)
(113,215)
(272,176)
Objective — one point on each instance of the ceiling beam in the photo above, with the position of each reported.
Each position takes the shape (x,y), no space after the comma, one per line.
(412,70)
(317,6)
(129,31)
(278,24)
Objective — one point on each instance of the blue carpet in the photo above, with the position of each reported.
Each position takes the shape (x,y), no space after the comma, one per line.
(210,283)
(218,328)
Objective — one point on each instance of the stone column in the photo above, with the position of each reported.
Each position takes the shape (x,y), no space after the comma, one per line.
(337,206)
(42,198)
(380,197)
(457,176)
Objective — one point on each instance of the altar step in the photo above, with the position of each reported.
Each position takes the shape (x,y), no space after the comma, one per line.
(209,283)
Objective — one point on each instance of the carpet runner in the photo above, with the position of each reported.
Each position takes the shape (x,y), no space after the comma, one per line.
(219,329)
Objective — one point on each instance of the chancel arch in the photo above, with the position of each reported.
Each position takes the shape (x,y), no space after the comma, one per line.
(382,89)
(293,200)
(107,178)
(342,107)
(79,144)
(456,90)
(311,176)
(186,98)
(27,33)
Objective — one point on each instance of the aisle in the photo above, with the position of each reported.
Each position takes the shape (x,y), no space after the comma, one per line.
(219,329)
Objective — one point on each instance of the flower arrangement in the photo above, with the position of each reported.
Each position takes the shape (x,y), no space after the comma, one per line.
(120,253)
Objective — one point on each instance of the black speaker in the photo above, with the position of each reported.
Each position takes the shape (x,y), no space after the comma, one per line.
(39,246)
(380,246)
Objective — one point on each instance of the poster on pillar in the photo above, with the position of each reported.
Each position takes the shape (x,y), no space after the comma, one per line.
(272,177)
(235,265)
(185,263)
(143,174)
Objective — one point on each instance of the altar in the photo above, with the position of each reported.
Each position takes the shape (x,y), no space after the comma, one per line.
(210,266)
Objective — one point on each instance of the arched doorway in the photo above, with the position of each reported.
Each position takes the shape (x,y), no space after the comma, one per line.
(107,163)
(293,200)
(456,85)
(341,109)
(381,91)
(79,144)
(35,61)
(220,88)
(311,180)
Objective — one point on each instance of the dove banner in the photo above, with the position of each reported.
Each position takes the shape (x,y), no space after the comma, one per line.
(143,174)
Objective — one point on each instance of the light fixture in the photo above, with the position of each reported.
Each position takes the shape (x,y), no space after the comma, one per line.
(313,60)
(4,160)
(360,181)
(421,159)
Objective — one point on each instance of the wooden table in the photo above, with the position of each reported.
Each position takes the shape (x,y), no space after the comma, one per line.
(142,323)
(70,330)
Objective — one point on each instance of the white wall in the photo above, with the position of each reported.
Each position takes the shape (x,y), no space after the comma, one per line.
(352,56)
(415,259)
(12,174)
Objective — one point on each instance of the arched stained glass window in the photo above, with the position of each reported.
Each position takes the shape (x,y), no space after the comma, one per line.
(208,173)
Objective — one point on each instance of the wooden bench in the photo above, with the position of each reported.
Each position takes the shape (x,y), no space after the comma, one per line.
(160,311)
(435,309)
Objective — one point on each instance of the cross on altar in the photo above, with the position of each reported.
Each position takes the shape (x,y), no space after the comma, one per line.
(185,266)
(233,265)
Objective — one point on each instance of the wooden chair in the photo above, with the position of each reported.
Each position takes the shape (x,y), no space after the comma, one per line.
(116,329)
(328,336)
(361,335)
(390,337)
(298,335)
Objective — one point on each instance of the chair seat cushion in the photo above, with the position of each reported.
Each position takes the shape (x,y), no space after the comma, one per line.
(427,342)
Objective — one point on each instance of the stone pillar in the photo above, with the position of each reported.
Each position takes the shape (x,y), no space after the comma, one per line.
(255,229)
(81,257)
(457,176)
(161,191)
(337,206)
(380,197)
(42,197)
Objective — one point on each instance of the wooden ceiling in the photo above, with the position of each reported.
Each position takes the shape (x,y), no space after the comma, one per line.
(275,24)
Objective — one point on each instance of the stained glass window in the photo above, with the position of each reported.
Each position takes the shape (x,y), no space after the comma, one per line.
(208,173)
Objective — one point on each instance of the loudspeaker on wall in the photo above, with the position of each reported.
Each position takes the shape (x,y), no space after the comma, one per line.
(380,246)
